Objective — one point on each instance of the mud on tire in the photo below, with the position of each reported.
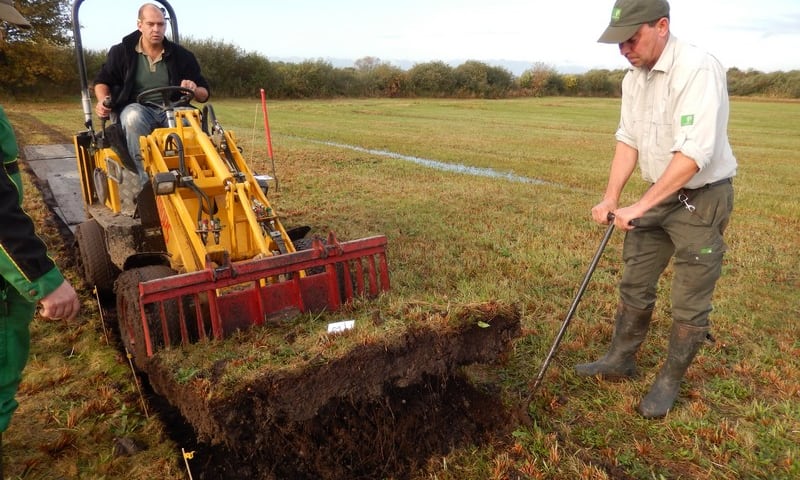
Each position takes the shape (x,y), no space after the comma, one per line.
(128,314)
(98,270)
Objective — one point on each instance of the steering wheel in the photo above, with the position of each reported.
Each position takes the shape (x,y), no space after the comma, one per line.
(186,96)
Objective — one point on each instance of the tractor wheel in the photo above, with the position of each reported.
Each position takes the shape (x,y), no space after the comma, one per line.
(129,317)
(305,244)
(98,270)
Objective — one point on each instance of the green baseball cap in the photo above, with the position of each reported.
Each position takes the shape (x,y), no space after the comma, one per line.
(628,15)
(10,14)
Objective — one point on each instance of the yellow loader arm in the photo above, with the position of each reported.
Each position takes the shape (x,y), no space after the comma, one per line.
(210,203)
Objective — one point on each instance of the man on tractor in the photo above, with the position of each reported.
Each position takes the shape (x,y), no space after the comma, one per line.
(145,60)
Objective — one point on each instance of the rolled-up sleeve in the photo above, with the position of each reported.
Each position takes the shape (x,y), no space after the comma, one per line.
(625,131)
(701,114)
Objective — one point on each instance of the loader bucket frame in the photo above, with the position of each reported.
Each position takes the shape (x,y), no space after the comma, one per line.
(239,295)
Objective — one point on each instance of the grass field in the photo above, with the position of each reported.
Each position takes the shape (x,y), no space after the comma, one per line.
(353,166)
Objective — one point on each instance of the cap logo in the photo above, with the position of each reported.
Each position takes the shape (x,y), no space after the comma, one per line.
(616,14)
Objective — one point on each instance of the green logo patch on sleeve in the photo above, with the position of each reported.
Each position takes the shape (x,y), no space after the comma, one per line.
(687,120)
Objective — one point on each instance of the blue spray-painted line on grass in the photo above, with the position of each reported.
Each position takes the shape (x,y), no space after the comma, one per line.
(447,167)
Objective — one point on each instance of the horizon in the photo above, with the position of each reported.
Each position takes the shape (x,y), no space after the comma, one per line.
(511,32)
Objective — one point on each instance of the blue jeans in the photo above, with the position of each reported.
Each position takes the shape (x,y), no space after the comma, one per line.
(137,121)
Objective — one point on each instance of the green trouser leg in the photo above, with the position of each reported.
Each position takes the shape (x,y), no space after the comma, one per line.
(684,343)
(15,339)
(630,330)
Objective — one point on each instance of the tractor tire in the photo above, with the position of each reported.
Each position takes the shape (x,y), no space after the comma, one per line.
(129,318)
(98,270)
(305,244)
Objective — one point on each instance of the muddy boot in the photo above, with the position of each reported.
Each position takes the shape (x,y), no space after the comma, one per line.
(684,342)
(630,331)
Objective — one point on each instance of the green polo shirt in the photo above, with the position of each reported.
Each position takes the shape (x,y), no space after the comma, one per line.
(150,73)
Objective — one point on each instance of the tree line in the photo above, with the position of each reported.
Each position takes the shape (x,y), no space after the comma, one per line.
(42,61)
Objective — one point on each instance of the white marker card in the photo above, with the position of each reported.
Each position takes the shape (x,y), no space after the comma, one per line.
(341,326)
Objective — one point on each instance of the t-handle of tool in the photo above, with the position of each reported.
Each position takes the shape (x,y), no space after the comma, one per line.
(633,223)
(573,307)
(106,103)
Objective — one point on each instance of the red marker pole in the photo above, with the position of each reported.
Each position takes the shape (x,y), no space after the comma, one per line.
(269,135)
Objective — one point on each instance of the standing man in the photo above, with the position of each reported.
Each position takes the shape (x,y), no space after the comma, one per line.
(27,275)
(673,122)
(142,61)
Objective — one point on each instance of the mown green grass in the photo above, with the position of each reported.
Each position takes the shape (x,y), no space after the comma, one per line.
(456,238)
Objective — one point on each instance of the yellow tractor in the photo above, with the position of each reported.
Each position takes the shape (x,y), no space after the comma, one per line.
(199,252)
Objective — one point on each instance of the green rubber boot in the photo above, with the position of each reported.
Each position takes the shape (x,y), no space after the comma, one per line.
(684,343)
(630,330)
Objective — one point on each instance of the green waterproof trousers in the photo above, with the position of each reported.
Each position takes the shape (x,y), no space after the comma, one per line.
(689,227)
(16,314)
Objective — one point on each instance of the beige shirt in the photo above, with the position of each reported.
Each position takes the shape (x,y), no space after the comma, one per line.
(681,105)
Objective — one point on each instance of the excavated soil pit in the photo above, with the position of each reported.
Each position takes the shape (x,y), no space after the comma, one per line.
(380,410)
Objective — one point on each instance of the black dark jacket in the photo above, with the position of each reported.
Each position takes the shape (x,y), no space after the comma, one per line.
(119,71)
(24,263)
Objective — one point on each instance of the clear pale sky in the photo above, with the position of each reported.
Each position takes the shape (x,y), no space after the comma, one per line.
(747,34)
